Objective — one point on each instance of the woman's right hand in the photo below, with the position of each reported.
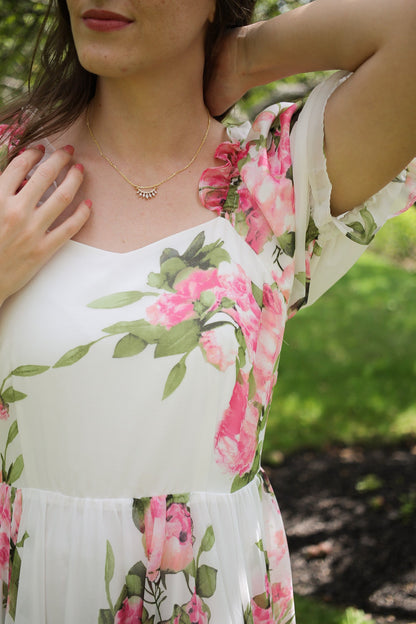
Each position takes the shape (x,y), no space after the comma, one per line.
(26,243)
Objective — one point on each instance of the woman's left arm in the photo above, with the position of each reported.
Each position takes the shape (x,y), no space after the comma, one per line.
(370,120)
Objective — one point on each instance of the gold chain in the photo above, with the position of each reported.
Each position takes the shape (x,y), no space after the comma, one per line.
(146,192)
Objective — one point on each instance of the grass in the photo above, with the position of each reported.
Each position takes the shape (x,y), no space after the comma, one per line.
(348,363)
(311,611)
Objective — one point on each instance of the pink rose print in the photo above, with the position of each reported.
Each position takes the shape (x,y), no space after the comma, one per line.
(171,309)
(215,181)
(236,438)
(269,343)
(274,196)
(154,534)
(262,616)
(281,163)
(5,527)
(259,230)
(285,280)
(17,515)
(177,551)
(131,611)
(4,412)
(281,597)
(246,314)
(167,538)
(262,123)
(195,611)
(278,550)
(4,557)
(214,352)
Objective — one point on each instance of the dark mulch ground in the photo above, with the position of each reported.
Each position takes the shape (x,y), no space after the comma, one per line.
(350,516)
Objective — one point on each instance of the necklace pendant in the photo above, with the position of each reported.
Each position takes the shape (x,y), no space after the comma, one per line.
(146,193)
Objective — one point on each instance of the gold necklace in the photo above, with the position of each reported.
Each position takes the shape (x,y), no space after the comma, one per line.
(146,192)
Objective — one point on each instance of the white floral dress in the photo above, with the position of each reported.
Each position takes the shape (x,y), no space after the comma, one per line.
(134,392)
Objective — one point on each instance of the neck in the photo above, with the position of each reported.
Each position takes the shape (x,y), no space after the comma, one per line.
(144,119)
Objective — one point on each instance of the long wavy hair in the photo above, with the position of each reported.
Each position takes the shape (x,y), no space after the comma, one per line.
(62,88)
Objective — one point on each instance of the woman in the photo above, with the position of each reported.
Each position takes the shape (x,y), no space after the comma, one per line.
(139,341)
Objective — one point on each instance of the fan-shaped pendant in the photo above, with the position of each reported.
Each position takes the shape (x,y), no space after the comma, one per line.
(146,193)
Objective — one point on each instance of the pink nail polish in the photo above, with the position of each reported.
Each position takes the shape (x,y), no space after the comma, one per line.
(41,148)
(88,202)
(69,148)
(79,167)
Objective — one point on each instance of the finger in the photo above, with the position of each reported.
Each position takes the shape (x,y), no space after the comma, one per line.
(45,175)
(62,197)
(16,171)
(66,230)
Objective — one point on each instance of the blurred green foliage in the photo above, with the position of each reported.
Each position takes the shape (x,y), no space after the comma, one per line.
(348,363)
(19,27)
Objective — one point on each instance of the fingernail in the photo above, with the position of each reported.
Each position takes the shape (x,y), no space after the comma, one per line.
(41,148)
(88,202)
(69,148)
(79,167)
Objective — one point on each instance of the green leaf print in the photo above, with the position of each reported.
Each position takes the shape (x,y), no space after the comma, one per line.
(251,385)
(212,255)
(262,600)
(287,243)
(118,300)
(138,510)
(135,585)
(167,253)
(122,597)
(257,294)
(11,395)
(363,234)
(181,499)
(29,371)
(109,572)
(13,431)
(141,328)
(128,346)
(208,541)
(248,615)
(139,569)
(301,277)
(233,198)
(74,355)
(194,247)
(182,338)
(146,619)
(105,616)
(175,378)
(312,232)
(15,470)
(206,581)
(179,616)
(171,268)
(14,583)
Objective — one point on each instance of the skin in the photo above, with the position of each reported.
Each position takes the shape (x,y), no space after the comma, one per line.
(145,108)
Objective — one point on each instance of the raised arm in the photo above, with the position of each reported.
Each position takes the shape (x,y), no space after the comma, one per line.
(370,123)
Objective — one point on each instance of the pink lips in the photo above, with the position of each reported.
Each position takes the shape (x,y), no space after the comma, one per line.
(104,21)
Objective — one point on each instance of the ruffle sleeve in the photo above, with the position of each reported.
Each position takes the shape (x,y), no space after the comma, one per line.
(274,189)
(327,246)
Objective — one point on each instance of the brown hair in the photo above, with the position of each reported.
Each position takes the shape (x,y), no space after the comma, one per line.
(63,88)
